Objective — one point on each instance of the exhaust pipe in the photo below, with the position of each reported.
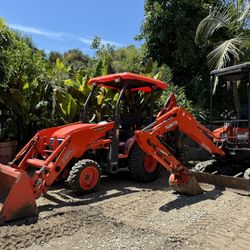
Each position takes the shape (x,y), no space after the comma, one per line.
(17,199)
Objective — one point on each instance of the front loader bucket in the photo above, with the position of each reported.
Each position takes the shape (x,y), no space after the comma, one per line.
(16,194)
(188,185)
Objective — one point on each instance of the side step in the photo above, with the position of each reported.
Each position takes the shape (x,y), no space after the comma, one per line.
(222,180)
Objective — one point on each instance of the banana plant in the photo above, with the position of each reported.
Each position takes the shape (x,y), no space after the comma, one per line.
(68,106)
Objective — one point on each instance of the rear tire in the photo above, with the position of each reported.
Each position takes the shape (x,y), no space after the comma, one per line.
(84,176)
(142,167)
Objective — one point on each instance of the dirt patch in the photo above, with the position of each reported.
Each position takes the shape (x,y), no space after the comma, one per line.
(125,215)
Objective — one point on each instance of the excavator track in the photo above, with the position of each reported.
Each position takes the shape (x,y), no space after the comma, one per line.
(209,172)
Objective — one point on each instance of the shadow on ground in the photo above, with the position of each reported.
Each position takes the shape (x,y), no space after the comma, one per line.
(110,187)
(187,200)
(60,196)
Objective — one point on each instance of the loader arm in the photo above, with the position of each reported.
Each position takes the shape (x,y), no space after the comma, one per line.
(153,141)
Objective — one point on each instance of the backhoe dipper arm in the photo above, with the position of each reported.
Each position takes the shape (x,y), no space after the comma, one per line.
(150,139)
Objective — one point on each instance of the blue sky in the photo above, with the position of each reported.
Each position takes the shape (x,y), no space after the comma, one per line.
(62,25)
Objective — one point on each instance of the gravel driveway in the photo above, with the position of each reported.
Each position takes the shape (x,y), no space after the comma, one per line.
(123,214)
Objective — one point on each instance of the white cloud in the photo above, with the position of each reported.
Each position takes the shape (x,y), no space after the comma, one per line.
(61,36)
(112,43)
(85,40)
(33,30)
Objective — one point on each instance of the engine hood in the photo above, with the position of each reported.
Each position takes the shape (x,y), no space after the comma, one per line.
(73,128)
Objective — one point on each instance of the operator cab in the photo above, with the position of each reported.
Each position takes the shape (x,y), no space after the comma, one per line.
(233,126)
(127,114)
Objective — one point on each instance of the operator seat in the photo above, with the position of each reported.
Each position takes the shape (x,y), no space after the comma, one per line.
(129,124)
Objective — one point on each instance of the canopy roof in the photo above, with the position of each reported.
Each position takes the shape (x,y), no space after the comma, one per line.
(134,82)
(233,73)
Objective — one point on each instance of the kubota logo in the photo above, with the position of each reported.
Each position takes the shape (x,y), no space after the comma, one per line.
(67,155)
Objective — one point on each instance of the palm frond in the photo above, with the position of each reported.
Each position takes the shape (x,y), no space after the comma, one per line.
(217,19)
(244,15)
(224,53)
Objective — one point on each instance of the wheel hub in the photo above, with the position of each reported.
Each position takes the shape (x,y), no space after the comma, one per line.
(89,178)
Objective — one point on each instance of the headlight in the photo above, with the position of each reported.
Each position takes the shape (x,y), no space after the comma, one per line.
(52,140)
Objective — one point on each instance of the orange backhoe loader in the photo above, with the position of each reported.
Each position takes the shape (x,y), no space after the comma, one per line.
(82,151)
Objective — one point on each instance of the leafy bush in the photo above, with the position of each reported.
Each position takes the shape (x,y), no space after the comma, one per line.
(38,91)
(182,101)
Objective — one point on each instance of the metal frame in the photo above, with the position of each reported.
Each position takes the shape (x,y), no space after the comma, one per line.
(248,100)
(236,72)
(85,115)
(211,103)
(114,146)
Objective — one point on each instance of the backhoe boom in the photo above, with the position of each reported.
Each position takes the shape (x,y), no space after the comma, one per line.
(151,140)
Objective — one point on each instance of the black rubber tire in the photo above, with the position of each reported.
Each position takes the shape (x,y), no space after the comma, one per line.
(74,175)
(136,166)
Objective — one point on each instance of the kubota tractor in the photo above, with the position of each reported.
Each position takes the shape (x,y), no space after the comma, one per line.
(79,152)
(83,150)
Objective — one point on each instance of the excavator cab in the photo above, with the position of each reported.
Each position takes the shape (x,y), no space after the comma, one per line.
(234,129)
(231,130)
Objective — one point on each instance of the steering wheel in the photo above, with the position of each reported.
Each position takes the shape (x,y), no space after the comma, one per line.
(106,118)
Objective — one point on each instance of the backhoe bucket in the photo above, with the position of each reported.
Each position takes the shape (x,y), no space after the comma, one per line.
(189,185)
(16,194)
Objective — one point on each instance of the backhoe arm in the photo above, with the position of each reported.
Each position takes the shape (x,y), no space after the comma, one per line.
(153,140)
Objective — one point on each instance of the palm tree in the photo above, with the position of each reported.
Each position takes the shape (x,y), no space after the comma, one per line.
(226,31)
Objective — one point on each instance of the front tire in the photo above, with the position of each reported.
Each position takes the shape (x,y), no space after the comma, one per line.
(84,176)
(142,167)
